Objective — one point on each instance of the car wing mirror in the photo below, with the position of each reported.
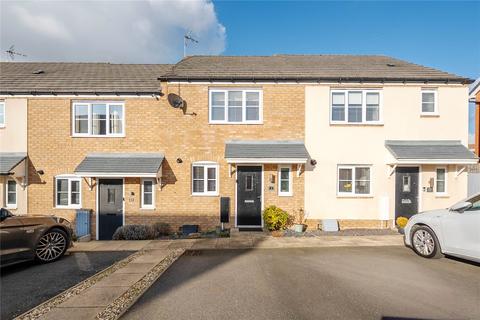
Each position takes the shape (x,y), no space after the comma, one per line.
(461,206)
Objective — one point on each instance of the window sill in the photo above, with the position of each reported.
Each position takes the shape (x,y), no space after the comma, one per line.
(427,115)
(366,124)
(236,123)
(285,195)
(147,208)
(354,196)
(98,136)
(442,195)
(204,195)
(12,207)
(67,207)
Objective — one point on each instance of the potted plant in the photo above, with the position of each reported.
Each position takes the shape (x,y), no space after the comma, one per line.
(299,224)
(401,223)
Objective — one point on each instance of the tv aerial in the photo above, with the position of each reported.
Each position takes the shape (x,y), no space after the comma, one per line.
(12,53)
(186,39)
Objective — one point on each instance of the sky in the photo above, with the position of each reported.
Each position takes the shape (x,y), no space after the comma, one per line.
(439,34)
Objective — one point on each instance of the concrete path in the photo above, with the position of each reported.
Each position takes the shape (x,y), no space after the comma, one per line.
(108,294)
(245,241)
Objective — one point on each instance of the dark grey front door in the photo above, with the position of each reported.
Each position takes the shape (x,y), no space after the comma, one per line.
(249,196)
(406,191)
(110,207)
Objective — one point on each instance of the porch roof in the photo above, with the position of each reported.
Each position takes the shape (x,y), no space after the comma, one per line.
(430,151)
(121,165)
(265,151)
(9,160)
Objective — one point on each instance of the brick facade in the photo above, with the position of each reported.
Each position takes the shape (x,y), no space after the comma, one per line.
(153,126)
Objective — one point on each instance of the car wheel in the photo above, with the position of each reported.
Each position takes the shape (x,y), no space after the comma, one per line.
(51,246)
(425,242)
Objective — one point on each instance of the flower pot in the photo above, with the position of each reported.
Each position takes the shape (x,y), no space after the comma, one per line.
(298,227)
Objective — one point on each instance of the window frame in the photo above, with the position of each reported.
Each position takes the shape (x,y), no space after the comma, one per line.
(244,106)
(435,111)
(7,192)
(353,193)
(89,134)
(143,205)
(3,107)
(206,165)
(69,178)
(445,192)
(290,184)
(364,121)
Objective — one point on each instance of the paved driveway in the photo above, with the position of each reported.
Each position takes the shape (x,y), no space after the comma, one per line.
(23,286)
(313,283)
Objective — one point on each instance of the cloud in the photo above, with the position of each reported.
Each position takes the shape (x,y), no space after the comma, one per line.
(120,31)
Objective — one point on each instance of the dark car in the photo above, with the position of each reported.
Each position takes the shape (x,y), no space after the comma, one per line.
(41,238)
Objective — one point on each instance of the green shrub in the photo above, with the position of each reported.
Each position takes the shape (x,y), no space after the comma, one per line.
(276,218)
(161,229)
(135,232)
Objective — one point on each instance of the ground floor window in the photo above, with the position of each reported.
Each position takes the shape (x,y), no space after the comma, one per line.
(285,180)
(148,193)
(11,194)
(205,179)
(441,181)
(353,180)
(68,192)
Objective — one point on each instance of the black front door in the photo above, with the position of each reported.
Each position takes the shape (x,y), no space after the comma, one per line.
(406,191)
(110,207)
(249,196)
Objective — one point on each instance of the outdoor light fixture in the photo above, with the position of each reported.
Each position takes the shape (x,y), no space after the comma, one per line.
(179,160)
(313,162)
(41,172)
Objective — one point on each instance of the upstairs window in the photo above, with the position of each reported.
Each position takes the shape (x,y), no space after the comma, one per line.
(235,106)
(355,107)
(429,102)
(2,114)
(98,119)
(205,179)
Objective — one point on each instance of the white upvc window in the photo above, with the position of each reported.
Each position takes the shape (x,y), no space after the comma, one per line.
(285,180)
(354,180)
(429,102)
(98,119)
(148,193)
(205,179)
(2,114)
(441,181)
(68,192)
(11,194)
(235,106)
(356,107)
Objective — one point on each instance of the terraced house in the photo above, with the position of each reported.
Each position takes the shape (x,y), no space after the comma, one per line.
(360,139)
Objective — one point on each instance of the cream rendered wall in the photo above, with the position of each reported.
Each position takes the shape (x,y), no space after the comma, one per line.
(13,138)
(332,145)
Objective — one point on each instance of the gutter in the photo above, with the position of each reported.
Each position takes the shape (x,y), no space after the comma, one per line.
(317,79)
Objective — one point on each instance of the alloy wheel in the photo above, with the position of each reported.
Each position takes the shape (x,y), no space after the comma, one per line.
(423,242)
(51,246)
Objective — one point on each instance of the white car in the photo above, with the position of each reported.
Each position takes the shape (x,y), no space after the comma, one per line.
(453,231)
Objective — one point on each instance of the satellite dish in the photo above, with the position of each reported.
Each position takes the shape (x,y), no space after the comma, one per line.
(175,100)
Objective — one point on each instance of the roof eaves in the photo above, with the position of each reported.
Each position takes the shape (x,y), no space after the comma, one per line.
(314,79)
